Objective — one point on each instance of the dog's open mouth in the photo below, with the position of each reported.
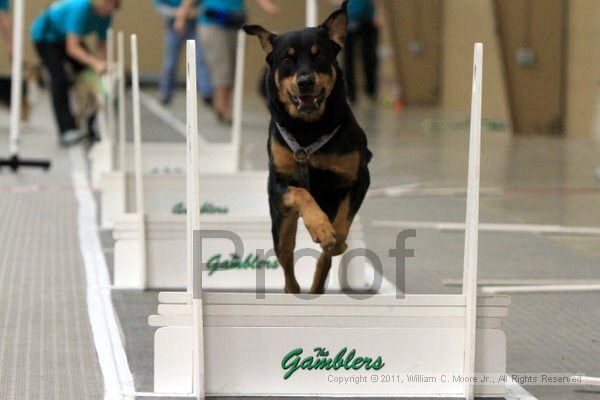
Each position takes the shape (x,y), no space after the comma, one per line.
(308,104)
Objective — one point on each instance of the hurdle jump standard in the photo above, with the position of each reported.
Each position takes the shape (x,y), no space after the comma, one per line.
(163,189)
(118,188)
(161,156)
(254,346)
(14,161)
(215,157)
(150,244)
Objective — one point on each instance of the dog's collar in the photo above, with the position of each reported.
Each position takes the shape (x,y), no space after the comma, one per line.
(302,154)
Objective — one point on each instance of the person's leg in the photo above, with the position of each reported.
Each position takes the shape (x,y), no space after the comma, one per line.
(215,45)
(370,61)
(204,82)
(229,65)
(171,61)
(53,56)
(349,66)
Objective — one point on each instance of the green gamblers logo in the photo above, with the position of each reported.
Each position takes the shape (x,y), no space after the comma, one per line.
(206,208)
(344,359)
(235,262)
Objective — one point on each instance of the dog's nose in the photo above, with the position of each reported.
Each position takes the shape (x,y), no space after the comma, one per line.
(306,83)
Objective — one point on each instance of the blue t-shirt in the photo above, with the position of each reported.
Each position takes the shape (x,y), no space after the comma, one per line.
(3,5)
(69,17)
(230,7)
(169,7)
(172,3)
(361,11)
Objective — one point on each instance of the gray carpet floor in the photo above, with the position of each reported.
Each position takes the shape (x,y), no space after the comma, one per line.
(46,344)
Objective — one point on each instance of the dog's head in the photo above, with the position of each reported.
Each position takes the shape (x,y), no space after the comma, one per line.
(303,63)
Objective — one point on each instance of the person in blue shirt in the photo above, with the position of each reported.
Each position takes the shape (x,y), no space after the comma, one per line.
(220,21)
(363,24)
(6,26)
(173,44)
(57,35)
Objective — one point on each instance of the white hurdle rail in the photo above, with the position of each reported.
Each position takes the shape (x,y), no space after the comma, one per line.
(122,101)
(193,222)
(110,94)
(17,77)
(238,97)
(215,324)
(472,228)
(137,145)
(312,13)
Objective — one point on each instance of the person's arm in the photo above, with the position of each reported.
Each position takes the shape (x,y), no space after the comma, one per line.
(6,31)
(101,51)
(182,14)
(270,8)
(79,53)
(165,10)
(379,19)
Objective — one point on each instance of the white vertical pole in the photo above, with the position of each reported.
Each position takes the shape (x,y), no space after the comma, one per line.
(17,77)
(194,262)
(122,100)
(238,92)
(110,94)
(472,223)
(312,13)
(137,149)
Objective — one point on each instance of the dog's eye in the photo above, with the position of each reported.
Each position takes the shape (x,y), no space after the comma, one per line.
(287,61)
(321,57)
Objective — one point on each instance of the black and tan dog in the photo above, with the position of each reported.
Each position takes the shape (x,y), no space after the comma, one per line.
(31,76)
(318,153)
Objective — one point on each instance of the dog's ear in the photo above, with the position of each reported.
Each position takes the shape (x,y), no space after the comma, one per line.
(337,25)
(265,37)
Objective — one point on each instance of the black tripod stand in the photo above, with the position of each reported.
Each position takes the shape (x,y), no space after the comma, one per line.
(14,162)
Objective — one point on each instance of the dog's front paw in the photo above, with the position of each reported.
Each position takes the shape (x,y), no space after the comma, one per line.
(320,229)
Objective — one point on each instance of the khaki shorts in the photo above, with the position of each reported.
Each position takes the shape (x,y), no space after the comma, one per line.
(219,46)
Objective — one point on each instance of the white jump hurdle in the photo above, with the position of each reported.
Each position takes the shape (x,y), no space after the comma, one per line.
(150,237)
(162,165)
(265,346)
(216,157)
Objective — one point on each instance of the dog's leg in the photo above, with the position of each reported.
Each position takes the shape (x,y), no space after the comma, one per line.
(316,221)
(341,225)
(285,245)
(323,267)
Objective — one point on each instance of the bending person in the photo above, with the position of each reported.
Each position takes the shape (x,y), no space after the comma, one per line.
(58,38)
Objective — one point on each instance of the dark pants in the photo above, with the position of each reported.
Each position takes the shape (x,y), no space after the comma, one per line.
(55,58)
(365,34)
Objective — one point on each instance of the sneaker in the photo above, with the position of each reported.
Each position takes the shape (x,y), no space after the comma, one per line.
(71,136)
(166,100)
(208,100)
